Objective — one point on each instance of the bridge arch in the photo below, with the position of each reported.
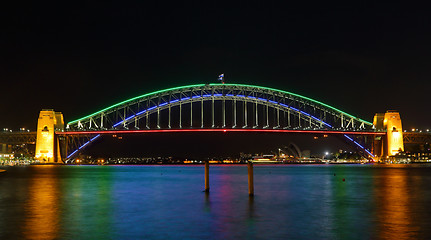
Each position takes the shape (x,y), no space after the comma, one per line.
(249,107)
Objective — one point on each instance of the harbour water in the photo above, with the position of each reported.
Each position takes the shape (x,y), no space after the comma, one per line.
(167,202)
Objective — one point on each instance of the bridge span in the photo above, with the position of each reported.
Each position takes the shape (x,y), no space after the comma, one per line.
(226,130)
(209,108)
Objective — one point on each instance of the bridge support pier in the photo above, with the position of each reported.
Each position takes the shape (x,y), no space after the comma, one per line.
(47,143)
(250,178)
(392,144)
(207,176)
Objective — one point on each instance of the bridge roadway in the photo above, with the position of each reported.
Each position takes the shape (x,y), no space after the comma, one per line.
(30,137)
(65,133)
(417,137)
(15,138)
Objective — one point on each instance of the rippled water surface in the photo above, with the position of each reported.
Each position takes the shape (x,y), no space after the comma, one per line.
(167,202)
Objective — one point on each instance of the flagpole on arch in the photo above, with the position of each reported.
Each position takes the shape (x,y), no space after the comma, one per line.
(221,78)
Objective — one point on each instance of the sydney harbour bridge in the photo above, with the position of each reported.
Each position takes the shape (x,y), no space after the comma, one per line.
(213,108)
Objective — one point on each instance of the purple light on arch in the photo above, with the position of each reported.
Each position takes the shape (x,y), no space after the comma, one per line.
(359,145)
(219,95)
(83,145)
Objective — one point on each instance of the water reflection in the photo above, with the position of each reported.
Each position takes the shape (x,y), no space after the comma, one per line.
(393,205)
(251,213)
(251,219)
(341,209)
(207,206)
(291,202)
(87,202)
(42,220)
(13,195)
(226,201)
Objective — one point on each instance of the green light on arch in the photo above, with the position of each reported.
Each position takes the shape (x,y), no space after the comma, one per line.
(297,95)
(131,99)
(217,84)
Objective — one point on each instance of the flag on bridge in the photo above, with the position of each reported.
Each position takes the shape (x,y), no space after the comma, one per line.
(221,78)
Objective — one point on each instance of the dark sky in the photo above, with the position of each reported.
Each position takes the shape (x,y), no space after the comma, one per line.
(80,57)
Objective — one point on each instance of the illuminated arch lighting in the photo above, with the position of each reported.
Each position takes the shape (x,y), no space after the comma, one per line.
(218,95)
(359,145)
(217,84)
(83,145)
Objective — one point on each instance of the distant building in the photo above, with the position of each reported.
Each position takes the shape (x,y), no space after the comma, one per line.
(6,156)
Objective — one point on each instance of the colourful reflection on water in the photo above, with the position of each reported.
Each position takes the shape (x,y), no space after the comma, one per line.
(167,202)
(227,201)
(42,206)
(393,195)
(87,202)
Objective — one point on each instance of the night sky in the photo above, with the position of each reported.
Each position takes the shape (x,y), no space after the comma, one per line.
(80,57)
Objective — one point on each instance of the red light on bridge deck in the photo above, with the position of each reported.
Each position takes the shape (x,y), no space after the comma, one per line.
(116,132)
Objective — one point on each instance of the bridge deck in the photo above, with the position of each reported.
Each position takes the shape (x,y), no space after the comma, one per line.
(18,137)
(219,130)
(417,137)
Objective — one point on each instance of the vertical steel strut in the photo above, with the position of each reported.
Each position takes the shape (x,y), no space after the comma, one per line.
(245,114)
(234,113)
(180,116)
(212,109)
(267,115)
(169,115)
(256,123)
(202,113)
(158,118)
(224,112)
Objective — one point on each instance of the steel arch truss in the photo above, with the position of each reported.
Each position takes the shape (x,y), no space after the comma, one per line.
(220,106)
(72,144)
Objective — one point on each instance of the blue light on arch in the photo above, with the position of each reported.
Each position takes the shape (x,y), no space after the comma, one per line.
(219,95)
(359,145)
(83,145)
